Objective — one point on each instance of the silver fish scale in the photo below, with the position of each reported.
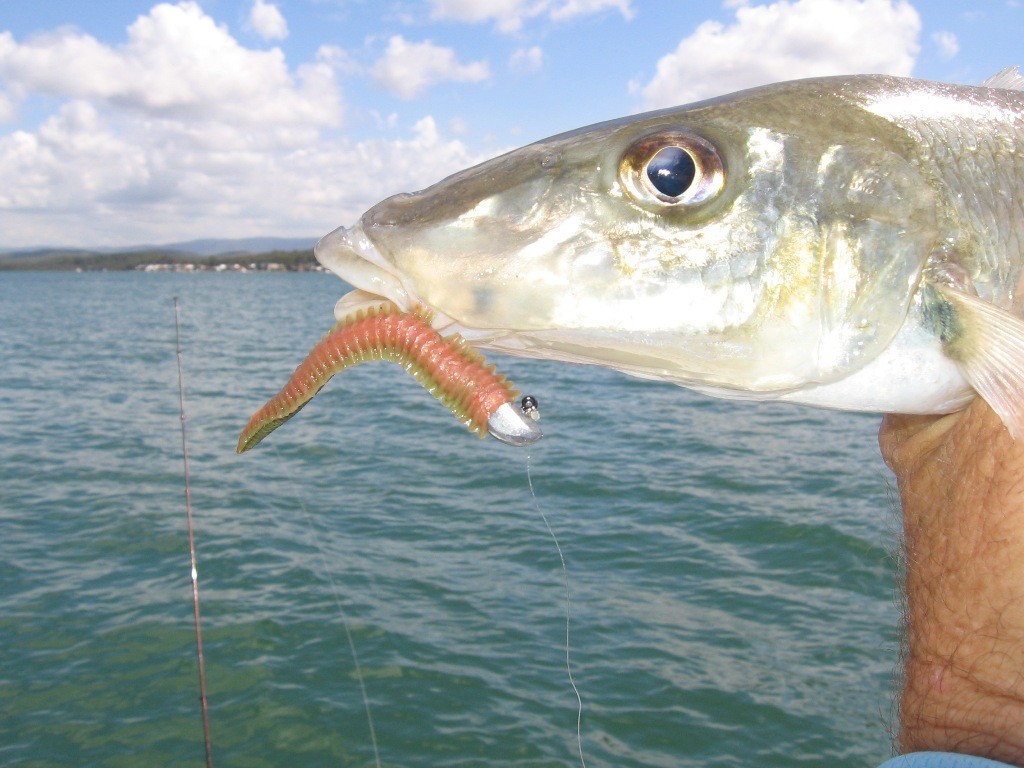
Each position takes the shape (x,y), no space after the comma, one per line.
(975,146)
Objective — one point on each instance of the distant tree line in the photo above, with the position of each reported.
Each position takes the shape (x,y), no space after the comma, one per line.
(88,261)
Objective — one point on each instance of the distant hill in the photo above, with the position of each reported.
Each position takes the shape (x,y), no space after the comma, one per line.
(293,253)
(215,247)
(205,247)
(32,254)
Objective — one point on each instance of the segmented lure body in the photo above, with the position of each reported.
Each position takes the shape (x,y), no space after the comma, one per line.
(447,368)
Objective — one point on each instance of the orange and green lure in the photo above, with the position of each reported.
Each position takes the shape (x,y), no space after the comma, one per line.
(446,367)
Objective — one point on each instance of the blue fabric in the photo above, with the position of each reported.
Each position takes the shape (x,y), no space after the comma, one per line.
(941,760)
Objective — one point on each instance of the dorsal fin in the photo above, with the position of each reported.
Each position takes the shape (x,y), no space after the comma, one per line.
(1009,78)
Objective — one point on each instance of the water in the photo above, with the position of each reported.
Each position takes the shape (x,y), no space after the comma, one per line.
(731,566)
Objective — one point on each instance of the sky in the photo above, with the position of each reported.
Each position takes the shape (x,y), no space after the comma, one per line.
(125,122)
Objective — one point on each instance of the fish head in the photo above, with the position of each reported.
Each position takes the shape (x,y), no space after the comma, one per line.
(754,244)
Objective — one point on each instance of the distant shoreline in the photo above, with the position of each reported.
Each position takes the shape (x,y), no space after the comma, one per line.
(163,261)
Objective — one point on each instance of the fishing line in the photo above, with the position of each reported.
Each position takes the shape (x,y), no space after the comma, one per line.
(344,622)
(194,572)
(568,612)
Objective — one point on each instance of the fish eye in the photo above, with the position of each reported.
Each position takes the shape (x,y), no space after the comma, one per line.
(671,169)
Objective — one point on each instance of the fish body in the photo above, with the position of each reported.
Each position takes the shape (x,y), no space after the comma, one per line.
(846,242)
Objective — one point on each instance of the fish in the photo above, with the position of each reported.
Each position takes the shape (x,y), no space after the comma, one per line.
(851,242)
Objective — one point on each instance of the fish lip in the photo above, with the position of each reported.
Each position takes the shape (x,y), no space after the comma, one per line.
(351,254)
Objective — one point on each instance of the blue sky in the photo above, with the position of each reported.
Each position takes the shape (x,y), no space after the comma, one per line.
(137,122)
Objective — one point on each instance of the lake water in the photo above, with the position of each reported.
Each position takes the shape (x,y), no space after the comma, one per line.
(732,566)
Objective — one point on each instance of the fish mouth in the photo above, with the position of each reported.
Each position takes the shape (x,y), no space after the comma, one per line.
(350,254)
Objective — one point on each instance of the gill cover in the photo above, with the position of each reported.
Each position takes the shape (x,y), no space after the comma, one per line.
(848,257)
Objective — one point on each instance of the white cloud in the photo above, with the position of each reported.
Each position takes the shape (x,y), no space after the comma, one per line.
(526,60)
(570,8)
(8,111)
(181,132)
(786,40)
(266,20)
(73,157)
(408,69)
(509,15)
(81,179)
(338,59)
(177,61)
(947,43)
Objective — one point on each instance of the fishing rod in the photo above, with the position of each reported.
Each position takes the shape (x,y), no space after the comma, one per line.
(192,548)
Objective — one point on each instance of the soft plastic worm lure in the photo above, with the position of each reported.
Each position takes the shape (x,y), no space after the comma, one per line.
(446,367)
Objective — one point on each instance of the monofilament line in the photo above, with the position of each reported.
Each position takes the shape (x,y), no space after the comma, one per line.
(194,572)
(568,613)
(344,623)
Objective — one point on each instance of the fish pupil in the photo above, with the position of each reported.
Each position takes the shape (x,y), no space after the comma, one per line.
(672,171)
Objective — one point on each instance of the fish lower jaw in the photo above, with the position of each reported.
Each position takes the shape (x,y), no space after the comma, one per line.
(485,337)
(356,300)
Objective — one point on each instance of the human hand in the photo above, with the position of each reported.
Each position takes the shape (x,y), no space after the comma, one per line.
(961,484)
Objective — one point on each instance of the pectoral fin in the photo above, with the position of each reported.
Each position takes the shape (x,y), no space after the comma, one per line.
(988,345)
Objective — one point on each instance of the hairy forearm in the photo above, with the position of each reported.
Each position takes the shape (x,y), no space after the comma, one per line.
(961,483)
